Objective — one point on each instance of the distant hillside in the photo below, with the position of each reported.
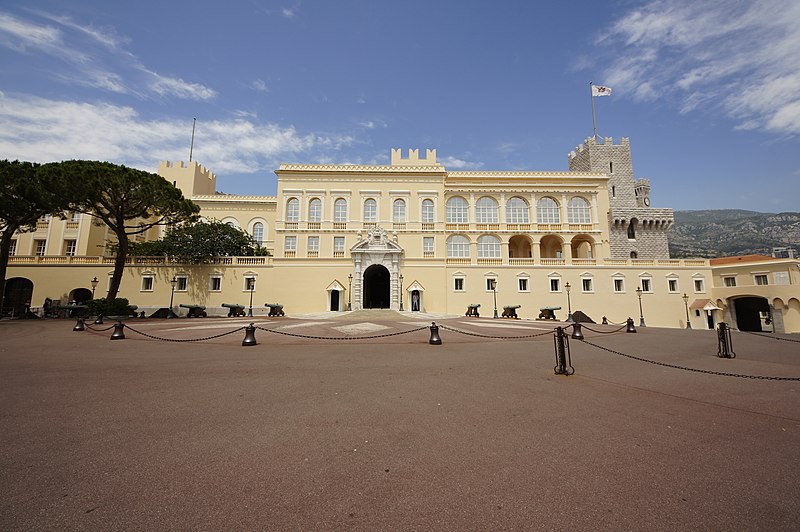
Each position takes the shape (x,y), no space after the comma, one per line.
(721,233)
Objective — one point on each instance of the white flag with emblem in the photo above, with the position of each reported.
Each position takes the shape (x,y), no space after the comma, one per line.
(599,90)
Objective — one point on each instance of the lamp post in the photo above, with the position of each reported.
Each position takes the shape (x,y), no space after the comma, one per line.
(173,282)
(494,291)
(401,292)
(685,298)
(641,314)
(567,287)
(251,281)
(349,290)
(94,282)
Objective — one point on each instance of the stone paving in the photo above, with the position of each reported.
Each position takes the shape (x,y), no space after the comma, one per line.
(325,431)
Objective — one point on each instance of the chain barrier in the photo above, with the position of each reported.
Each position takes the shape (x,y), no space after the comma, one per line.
(624,325)
(696,370)
(89,327)
(467,333)
(771,337)
(185,339)
(385,335)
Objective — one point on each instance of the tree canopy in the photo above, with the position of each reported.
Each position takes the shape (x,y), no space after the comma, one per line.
(199,242)
(127,200)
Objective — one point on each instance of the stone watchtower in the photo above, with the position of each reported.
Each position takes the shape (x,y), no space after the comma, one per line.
(635,229)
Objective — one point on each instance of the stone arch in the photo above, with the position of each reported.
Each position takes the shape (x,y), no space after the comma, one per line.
(582,247)
(520,247)
(377,287)
(17,296)
(551,247)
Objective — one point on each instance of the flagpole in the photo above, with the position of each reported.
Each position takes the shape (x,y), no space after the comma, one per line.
(594,117)
(191,148)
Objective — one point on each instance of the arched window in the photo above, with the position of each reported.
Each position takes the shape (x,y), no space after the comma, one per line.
(340,210)
(634,255)
(578,211)
(370,210)
(457,246)
(315,210)
(292,210)
(488,247)
(457,210)
(547,211)
(486,211)
(258,233)
(517,211)
(428,214)
(399,211)
(632,229)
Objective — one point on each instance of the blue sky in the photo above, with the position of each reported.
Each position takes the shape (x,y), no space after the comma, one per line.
(708,92)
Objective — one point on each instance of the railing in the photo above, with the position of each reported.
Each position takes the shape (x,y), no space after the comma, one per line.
(312,254)
(290,226)
(340,225)
(338,254)
(522,262)
(552,262)
(42,225)
(518,227)
(489,262)
(368,225)
(583,262)
(549,227)
(289,254)
(428,226)
(427,254)
(314,226)
(580,227)
(456,227)
(399,226)
(487,227)
(464,260)
(71,225)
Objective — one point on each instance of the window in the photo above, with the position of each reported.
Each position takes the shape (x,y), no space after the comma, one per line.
(315,210)
(182,283)
(13,249)
(290,243)
(587,285)
(249,283)
(522,284)
(457,246)
(39,247)
(699,285)
(292,210)
(338,243)
(619,285)
(729,281)
(491,284)
(427,245)
(147,283)
(216,283)
(370,210)
(634,255)
(632,229)
(762,280)
(457,210)
(486,211)
(428,214)
(488,247)
(340,210)
(399,211)
(547,211)
(258,233)
(578,211)
(313,244)
(646,285)
(458,284)
(69,248)
(555,285)
(517,211)
(75,217)
(672,285)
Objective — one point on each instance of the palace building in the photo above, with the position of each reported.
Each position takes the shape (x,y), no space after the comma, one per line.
(417,237)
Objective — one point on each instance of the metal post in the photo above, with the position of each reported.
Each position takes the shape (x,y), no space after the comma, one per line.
(349,291)
(249,335)
(401,292)
(494,291)
(173,282)
(79,326)
(641,313)
(567,287)
(252,282)
(119,331)
(577,334)
(686,304)
(563,359)
(94,282)
(725,343)
(631,328)
(435,338)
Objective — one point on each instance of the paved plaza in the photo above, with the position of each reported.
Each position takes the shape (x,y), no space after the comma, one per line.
(319,428)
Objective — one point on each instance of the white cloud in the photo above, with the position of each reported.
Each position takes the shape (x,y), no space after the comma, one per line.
(259,85)
(288,13)
(43,130)
(459,164)
(739,57)
(165,86)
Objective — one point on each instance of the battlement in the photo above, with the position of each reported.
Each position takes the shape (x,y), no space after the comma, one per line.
(591,141)
(642,182)
(199,168)
(413,158)
(192,178)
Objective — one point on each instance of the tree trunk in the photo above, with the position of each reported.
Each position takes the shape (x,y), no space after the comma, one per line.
(119,265)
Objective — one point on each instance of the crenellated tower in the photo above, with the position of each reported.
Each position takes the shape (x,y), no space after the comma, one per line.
(636,230)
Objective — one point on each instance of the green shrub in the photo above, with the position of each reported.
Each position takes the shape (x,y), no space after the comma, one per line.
(117,307)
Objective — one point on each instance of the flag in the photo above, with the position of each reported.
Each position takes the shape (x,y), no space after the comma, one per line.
(599,90)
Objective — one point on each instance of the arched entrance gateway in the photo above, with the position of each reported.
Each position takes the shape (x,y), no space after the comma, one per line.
(376,271)
(17,297)
(753,314)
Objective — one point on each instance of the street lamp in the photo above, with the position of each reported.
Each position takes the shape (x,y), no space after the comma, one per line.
(173,282)
(401,292)
(686,305)
(94,282)
(349,290)
(494,291)
(641,314)
(567,287)
(251,281)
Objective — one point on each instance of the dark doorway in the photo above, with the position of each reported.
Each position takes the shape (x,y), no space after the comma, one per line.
(80,295)
(17,297)
(334,300)
(749,311)
(376,287)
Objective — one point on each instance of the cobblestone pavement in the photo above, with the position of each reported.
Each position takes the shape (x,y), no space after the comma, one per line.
(320,430)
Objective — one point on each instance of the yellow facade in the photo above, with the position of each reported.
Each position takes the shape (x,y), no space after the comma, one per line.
(412,235)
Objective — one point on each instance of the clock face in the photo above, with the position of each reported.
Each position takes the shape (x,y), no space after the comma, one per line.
(647,202)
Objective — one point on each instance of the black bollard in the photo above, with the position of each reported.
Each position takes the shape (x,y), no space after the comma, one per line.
(563,367)
(250,335)
(79,326)
(605,320)
(631,328)
(725,344)
(577,334)
(99,320)
(435,338)
(119,331)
